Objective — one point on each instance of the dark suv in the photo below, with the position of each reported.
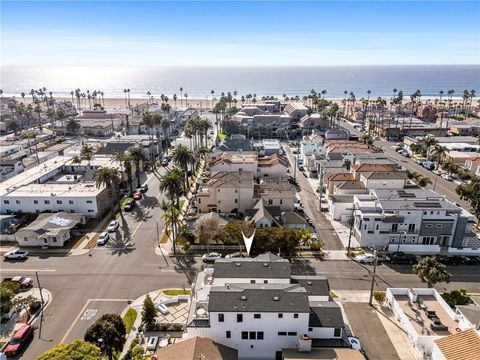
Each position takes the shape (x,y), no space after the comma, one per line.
(450,260)
(129,205)
(401,258)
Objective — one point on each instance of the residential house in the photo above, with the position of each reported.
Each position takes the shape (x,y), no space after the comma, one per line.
(468,316)
(413,220)
(274,166)
(235,145)
(464,345)
(427,319)
(314,121)
(263,215)
(226,192)
(473,166)
(311,150)
(197,348)
(11,164)
(276,192)
(255,306)
(459,157)
(49,230)
(464,129)
(267,147)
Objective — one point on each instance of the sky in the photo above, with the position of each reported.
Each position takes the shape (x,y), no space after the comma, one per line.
(217,33)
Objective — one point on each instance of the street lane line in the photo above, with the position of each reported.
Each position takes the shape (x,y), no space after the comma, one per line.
(28,270)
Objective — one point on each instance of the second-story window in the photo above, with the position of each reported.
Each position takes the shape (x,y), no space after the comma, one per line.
(221,318)
(239,317)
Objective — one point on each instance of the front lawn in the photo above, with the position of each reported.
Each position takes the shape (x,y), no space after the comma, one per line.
(175,292)
(129,319)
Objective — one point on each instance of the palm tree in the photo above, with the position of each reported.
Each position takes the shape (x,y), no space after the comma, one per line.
(181,96)
(186,97)
(86,153)
(172,183)
(107,177)
(76,160)
(126,159)
(439,152)
(29,135)
(23,97)
(72,126)
(175,99)
(183,156)
(38,110)
(138,156)
(171,216)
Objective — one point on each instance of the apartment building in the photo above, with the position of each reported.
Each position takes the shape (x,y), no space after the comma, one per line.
(413,220)
(296,111)
(57,185)
(226,192)
(254,305)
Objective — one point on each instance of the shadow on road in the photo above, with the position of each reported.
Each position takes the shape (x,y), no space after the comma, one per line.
(302,267)
(185,264)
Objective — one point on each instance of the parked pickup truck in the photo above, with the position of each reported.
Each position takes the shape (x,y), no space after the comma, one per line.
(16,255)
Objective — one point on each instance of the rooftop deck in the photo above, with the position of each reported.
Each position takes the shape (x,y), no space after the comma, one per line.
(422,321)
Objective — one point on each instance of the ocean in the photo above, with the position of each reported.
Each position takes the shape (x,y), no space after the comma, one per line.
(197,82)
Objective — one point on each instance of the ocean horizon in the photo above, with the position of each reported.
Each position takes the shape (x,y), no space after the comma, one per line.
(262,81)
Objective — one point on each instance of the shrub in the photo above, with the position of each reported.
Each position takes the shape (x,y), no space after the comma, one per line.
(163,326)
(457,297)
(316,245)
(177,327)
(149,313)
(34,306)
(379,297)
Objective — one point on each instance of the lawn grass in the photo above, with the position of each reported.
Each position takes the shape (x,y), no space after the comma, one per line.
(173,292)
(222,135)
(129,319)
(332,295)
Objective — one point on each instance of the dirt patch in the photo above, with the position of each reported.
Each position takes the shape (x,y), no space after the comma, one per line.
(93,241)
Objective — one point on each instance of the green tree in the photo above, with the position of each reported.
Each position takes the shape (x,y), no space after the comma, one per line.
(86,153)
(172,183)
(438,152)
(137,154)
(470,192)
(183,157)
(457,297)
(171,216)
(72,126)
(76,350)
(8,290)
(149,313)
(430,271)
(206,231)
(108,177)
(125,159)
(108,333)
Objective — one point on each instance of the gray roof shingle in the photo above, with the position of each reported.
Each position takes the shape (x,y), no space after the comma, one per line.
(265,266)
(325,314)
(315,285)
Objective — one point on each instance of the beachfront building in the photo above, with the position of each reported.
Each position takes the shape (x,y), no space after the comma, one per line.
(296,111)
(314,121)
(57,185)
(254,305)
(413,220)
(428,320)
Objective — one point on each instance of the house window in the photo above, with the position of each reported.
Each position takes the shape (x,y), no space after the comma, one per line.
(295,316)
(376,227)
(17,201)
(25,238)
(221,318)
(236,201)
(282,333)
(89,201)
(54,239)
(260,335)
(281,201)
(270,201)
(35,202)
(228,334)
(438,225)
(244,335)
(253,335)
(257,316)
(252,281)
(280,316)
(239,317)
(337,332)
(310,329)
(59,202)
(429,226)
(292,333)
(70,202)
(6,202)
(411,228)
(265,281)
(90,211)
(394,227)
(47,202)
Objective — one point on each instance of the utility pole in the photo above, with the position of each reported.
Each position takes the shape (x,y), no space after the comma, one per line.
(351,230)
(373,275)
(41,308)
(320,187)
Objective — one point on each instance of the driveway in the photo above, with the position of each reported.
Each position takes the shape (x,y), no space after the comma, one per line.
(374,338)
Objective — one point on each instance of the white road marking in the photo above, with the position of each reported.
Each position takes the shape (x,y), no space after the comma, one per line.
(82,312)
(88,314)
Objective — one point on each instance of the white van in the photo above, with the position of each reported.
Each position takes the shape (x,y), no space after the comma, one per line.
(152,343)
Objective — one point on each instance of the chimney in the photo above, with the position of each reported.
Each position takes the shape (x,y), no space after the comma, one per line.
(304,343)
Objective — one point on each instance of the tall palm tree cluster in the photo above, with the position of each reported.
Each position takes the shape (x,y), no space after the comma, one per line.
(197,130)
(133,155)
(93,98)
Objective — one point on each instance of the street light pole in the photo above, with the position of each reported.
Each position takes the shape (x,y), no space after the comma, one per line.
(351,230)
(41,308)
(373,275)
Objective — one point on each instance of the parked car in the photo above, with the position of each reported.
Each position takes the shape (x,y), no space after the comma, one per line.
(450,260)
(211,257)
(437,172)
(447,177)
(113,226)
(129,205)
(137,195)
(233,255)
(164,162)
(405,153)
(354,343)
(144,188)
(298,208)
(472,260)
(19,341)
(16,255)
(24,282)
(401,258)
(103,238)
(428,165)
(366,258)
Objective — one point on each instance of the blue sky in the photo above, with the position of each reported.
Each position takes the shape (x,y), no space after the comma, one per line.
(240,33)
